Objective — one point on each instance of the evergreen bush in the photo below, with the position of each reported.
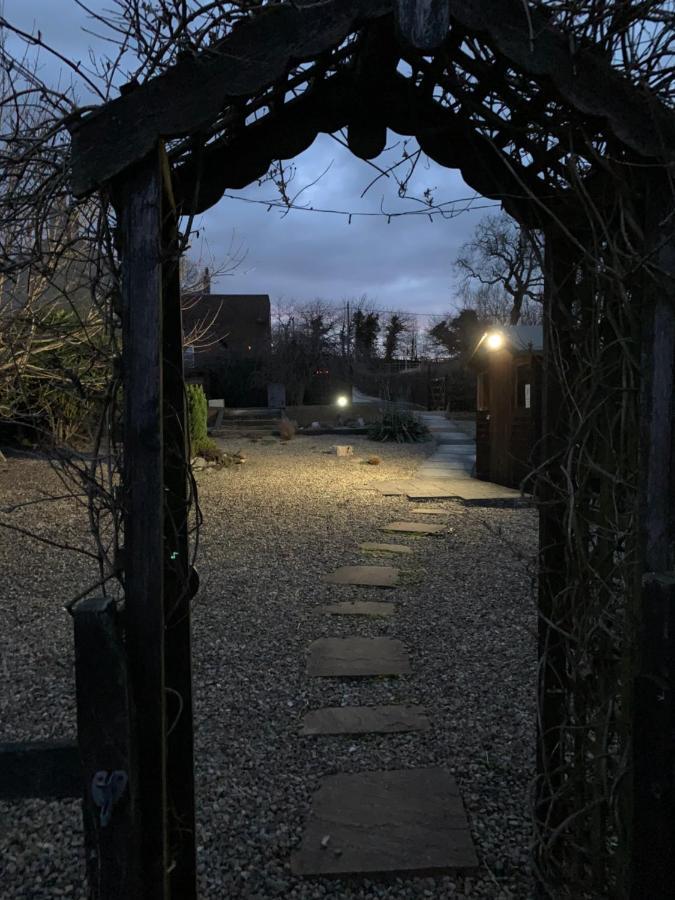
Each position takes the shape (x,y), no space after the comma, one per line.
(399,425)
(197,415)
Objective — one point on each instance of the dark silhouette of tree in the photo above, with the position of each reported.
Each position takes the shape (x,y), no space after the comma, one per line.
(459,335)
(392,336)
(366,327)
(304,338)
(504,260)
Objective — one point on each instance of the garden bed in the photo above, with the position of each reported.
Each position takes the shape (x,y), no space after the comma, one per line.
(272,528)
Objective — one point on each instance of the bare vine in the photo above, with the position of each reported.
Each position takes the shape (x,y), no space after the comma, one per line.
(60,341)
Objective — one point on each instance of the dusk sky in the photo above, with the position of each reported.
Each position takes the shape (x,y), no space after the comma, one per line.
(403,264)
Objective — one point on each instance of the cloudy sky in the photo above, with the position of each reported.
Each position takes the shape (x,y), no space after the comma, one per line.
(401,264)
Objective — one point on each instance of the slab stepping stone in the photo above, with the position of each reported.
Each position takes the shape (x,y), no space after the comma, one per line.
(472,491)
(364,720)
(357,657)
(385,548)
(372,576)
(409,820)
(360,608)
(429,511)
(414,527)
(484,493)
(434,491)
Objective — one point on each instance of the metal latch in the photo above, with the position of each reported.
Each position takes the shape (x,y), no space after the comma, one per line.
(106,790)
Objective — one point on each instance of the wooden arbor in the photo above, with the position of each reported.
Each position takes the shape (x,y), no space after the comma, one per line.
(468,81)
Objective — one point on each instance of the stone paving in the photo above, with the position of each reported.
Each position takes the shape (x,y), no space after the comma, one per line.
(455,455)
(413,528)
(448,473)
(372,547)
(409,820)
(357,657)
(370,576)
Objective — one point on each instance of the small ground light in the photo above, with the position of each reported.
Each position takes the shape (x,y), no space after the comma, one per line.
(494,341)
(342,401)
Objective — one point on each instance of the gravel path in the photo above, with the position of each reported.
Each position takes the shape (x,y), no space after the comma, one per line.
(273,527)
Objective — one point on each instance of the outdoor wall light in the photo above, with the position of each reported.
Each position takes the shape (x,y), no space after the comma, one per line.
(342,401)
(494,341)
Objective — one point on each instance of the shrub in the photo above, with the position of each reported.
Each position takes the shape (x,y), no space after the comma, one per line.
(286,429)
(210,451)
(197,416)
(54,369)
(399,425)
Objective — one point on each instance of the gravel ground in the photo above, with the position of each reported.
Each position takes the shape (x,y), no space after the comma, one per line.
(273,527)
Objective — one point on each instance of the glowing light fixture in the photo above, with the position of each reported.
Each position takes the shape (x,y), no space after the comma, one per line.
(342,401)
(494,340)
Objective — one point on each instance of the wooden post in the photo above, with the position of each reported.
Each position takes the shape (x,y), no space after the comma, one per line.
(653,788)
(177,581)
(139,203)
(559,281)
(106,752)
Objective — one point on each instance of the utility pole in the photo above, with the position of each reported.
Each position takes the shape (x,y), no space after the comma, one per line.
(350,363)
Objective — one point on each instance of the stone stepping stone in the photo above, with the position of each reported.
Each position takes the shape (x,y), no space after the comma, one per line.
(414,528)
(371,576)
(385,548)
(409,820)
(472,491)
(357,657)
(360,608)
(433,491)
(364,720)
(430,511)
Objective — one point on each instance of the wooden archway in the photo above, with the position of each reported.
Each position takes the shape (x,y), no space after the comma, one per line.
(465,79)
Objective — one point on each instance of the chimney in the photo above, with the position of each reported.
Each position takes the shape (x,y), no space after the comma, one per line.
(207,281)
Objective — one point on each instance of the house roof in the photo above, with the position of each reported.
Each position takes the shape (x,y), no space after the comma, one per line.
(523,338)
(517,339)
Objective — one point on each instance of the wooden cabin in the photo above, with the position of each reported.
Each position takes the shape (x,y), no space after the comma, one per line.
(507,362)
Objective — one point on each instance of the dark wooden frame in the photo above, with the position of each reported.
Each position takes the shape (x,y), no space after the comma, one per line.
(121,145)
(157,576)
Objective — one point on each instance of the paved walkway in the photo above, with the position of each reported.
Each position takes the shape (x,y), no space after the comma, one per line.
(403,821)
(455,455)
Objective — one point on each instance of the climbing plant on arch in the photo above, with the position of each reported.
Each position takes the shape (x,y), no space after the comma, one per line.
(570,146)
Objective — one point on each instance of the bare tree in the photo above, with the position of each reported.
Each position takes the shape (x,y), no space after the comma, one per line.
(306,337)
(197,272)
(499,271)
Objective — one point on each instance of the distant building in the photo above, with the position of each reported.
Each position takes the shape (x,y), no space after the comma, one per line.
(228,339)
(507,362)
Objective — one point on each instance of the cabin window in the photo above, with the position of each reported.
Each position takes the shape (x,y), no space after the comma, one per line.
(523,387)
(483,391)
